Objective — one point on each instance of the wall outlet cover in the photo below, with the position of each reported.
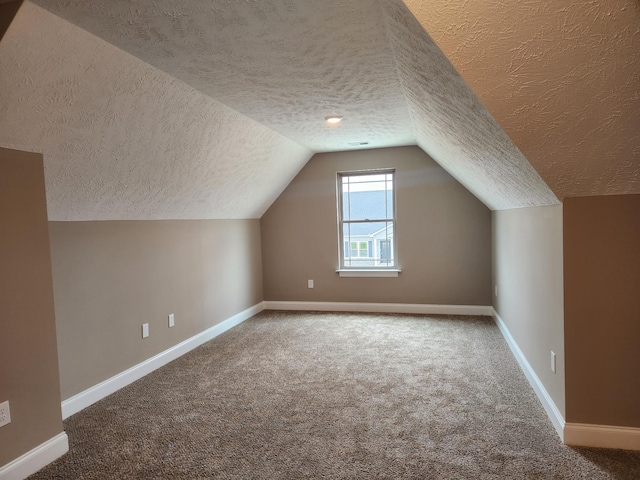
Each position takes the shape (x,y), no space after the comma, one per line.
(145,330)
(172,320)
(5,414)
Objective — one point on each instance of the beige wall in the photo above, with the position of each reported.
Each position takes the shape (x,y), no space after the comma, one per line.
(602,309)
(28,356)
(527,268)
(111,277)
(443,235)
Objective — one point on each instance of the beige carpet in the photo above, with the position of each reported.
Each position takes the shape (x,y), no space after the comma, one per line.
(317,395)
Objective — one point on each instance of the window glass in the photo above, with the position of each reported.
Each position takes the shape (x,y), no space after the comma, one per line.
(366,219)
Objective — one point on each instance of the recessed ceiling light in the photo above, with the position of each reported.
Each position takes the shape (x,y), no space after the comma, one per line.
(333,119)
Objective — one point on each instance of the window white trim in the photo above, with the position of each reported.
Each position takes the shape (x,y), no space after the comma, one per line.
(352,272)
(345,258)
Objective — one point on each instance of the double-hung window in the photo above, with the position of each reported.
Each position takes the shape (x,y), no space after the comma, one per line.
(366,220)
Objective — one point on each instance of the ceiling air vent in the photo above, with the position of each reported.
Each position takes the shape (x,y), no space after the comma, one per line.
(357,144)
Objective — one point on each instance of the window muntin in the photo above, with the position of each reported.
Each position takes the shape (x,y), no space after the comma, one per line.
(366,217)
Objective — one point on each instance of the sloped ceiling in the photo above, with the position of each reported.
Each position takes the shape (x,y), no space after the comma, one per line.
(285,64)
(124,140)
(207,109)
(561,77)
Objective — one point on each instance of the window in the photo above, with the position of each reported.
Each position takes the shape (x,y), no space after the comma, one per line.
(357,249)
(366,220)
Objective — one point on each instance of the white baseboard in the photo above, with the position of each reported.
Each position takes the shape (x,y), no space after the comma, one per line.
(381,308)
(602,436)
(97,392)
(34,460)
(549,406)
(576,434)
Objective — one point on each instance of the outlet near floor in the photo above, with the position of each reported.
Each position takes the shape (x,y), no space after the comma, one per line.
(5,414)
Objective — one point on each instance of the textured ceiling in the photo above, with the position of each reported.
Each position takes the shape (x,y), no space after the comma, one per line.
(123,140)
(218,103)
(286,64)
(453,127)
(561,77)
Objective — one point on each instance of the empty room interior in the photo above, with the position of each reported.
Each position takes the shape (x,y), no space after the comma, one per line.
(170,177)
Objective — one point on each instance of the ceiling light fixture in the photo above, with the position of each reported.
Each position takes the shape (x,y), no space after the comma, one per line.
(333,119)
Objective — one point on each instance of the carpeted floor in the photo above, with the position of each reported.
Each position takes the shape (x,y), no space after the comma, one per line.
(325,395)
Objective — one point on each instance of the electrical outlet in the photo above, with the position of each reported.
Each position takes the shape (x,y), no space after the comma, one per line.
(5,414)
(496,290)
(553,362)
(172,320)
(310,283)
(145,330)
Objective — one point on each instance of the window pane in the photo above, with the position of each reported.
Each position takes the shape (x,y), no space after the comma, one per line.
(373,247)
(346,206)
(364,198)
(389,204)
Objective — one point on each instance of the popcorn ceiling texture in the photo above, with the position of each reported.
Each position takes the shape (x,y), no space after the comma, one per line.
(152,135)
(123,140)
(285,64)
(561,77)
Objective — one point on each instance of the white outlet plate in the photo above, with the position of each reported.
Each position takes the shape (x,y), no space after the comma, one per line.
(310,283)
(496,290)
(553,362)
(145,330)
(5,414)
(172,320)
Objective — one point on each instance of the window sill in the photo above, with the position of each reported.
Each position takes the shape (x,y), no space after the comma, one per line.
(387,272)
